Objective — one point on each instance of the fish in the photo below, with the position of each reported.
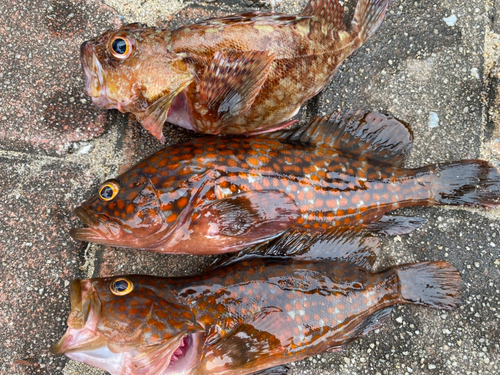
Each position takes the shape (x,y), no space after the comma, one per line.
(213,195)
(298,296)
(238,74)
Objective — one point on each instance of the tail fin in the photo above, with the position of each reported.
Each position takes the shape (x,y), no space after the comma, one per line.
(466,183)
(432,284)
(368,16)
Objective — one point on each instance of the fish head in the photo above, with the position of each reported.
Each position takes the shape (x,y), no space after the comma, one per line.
(133,70)
(125,212)
(130,325)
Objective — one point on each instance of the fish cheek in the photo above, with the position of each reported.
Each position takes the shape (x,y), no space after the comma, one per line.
(146,222)
(121,321)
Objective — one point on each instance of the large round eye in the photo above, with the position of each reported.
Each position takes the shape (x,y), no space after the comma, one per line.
(109,190)
(121,286)
(121,47)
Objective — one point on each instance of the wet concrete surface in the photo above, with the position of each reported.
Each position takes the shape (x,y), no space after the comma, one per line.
(56,149)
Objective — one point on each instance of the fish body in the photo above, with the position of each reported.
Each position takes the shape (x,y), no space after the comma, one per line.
(232,75)
(251,314)
(220,194)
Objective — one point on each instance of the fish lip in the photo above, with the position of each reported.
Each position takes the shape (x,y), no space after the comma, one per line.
(96,231)
(92,70)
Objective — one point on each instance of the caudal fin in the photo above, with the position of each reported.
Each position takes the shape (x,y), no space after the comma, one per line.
(466,183)
(432,284)
(368,16)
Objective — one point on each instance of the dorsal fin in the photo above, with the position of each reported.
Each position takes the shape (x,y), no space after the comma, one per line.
(350,244)
(381,138)
(327,12)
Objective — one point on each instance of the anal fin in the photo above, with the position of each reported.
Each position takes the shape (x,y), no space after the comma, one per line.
(278,370)
(396,225)
(353,245)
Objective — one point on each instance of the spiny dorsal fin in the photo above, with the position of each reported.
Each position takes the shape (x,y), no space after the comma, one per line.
(327,12)
(368,16)
(349,244)
(373,135)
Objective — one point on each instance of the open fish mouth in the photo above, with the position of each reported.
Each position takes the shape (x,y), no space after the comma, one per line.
(82,321)
(105,232)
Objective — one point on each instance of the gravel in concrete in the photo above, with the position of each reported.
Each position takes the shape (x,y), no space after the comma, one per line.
(434,64)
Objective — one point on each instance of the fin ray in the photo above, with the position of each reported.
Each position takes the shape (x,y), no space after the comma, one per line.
(233,79)
(353,245)
(378,137)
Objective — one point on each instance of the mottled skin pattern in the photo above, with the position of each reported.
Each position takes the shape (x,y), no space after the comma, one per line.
(256,313)
(231,75)
(218,194)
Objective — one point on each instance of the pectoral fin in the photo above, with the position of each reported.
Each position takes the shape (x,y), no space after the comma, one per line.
(230,84)
(256,214)
(156,114)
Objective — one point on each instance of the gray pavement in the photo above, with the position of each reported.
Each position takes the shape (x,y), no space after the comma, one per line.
(56,149)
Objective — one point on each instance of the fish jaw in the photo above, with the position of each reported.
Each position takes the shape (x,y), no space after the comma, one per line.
(82,321)
(98,231)
(182,359)
(108,232)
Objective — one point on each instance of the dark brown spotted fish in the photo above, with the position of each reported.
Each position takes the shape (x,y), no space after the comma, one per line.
(220,194)
(297,297)
(232,75)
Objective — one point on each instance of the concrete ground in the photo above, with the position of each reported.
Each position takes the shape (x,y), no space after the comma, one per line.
(437,56)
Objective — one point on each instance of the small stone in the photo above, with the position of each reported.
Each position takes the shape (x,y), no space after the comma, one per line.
(431,367)
(433,120)
(451,20)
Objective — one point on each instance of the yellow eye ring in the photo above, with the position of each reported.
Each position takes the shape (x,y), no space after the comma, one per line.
(121,286)
(109,190)
(120,47)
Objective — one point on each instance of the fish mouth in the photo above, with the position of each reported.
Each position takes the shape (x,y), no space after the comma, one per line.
(82,321)
(94,81)
(106,232)
(185,356)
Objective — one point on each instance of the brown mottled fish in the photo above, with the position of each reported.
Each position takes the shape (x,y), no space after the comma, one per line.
(294,298)
(232,75)
(219,194)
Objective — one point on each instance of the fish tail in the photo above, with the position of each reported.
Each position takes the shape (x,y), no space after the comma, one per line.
(368,16)
(465,183)
(432,284)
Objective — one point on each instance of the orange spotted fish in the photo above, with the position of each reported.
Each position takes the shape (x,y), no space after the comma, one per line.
(232,75)
(219,194)
(294,298)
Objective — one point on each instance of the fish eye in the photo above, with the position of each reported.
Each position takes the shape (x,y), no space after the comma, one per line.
(121,286)
(120,47)
(109,190)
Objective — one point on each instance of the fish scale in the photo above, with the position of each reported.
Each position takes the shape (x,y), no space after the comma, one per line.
(328,186)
